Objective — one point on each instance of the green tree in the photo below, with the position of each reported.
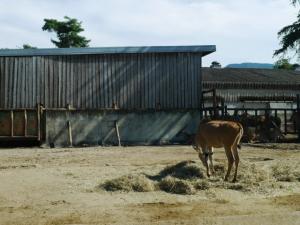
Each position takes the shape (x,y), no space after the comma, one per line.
(283,64)
(28,46)
(67,32)
(290,36)
(215,64)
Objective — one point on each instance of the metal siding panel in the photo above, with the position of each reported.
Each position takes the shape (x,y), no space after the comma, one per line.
(55,82)
(96,82)
(90,82)
(38,80)
(159,79)
(15,83)
(152,82)
(23,86)
(101,81)
(167,86)
(200,80)
(46,81)
(187,95)
(67,81)
(129,82)
(60,81)
(84,83)
(139,81)
(113,80)
(121,66)
(51,95)
(71,77)
(28,77)
(109,83)
(135,81)
(79,82)
(9,83)
(177,82)
(2,81)
(142,80)
(42,75)
(105,81)
(34,83)
(119,79)
(65,84)
(147,81)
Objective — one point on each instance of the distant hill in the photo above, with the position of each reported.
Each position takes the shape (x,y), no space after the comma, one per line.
(251,65)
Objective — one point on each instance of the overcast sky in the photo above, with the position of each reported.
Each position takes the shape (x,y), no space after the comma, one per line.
(242,30)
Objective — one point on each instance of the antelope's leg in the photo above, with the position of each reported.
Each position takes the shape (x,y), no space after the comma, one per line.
(210,157)
(236,160)
(230,159)
(205,152)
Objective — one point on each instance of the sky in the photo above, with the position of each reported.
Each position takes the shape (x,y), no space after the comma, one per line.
(242,30)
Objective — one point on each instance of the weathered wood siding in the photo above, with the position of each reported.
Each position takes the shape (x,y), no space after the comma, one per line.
(131,81)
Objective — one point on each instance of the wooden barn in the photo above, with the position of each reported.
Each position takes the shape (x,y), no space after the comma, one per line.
(90,96)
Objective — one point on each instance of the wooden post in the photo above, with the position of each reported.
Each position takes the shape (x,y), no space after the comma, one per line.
(118,133)
(11,123)
(69,125)
(70,133)
(25,122)
(39,121)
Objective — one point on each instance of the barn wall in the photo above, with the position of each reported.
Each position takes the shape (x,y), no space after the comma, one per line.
(132,81)
(98,127)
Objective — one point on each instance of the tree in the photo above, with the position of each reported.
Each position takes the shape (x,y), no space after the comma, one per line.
(290,35)
(215,64)
(67,32)
(283,64)
(27,46)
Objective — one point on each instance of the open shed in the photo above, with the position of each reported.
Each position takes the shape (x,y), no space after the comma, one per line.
(76,96)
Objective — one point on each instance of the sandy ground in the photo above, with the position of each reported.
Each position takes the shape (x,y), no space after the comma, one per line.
(60,186)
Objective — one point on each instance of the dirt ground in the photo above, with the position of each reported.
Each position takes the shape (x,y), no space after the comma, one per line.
(60,186)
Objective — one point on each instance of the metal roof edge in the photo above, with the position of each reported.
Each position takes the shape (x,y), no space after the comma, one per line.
(204,49)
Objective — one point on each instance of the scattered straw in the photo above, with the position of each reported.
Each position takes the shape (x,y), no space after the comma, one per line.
(139,183)
(183,170)
(174,185)
(288,173)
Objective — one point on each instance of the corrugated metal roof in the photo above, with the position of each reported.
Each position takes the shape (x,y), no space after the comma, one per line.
(250,76)
(204,49)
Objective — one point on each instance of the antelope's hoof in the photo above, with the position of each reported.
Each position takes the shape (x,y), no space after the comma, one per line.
(234,180)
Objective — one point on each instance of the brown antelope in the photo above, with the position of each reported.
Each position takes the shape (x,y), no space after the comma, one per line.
(217,133)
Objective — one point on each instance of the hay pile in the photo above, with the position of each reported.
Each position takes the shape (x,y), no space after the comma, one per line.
(138,183)
(182,178)
(285,172)
(188,177)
